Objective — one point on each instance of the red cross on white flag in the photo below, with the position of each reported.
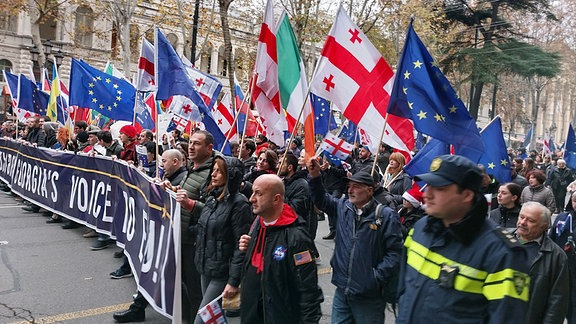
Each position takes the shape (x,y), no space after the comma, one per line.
(266,90)
(212,313)
(224,118)
(336,146)
(146,67)
(354,76)
(184,107)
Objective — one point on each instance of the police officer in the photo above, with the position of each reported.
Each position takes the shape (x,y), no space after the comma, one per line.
(460,268)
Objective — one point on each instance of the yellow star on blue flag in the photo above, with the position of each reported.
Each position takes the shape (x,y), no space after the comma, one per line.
(91,88)
(421,90)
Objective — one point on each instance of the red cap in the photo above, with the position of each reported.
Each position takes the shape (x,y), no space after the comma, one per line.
(129,131)
(414,196)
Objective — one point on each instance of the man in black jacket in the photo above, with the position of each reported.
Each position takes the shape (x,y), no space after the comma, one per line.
(280,280)
(549,283)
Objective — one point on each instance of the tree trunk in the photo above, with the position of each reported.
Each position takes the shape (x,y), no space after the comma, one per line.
(35,31)
(224,5)
(494,97)
(475,103)
(127,52)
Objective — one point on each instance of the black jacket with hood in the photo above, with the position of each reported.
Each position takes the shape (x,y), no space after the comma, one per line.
(220,226)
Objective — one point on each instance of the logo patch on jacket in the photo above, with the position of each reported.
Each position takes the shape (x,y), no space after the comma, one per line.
(279,253)
(520,282)
(302,258)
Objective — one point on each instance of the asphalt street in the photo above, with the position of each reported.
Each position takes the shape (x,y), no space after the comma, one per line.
(50,275)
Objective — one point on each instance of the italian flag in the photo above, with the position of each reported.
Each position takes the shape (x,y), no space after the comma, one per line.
(293,84)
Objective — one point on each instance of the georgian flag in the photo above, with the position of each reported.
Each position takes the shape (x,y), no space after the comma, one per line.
(354,76)
(146,80)
(224,118)
(336,146)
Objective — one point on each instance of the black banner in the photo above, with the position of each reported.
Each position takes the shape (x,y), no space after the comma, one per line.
(111,197)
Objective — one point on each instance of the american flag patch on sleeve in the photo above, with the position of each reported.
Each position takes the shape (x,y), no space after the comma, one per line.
(302,258)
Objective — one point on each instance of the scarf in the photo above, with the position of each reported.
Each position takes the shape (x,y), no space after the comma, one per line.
(287,217)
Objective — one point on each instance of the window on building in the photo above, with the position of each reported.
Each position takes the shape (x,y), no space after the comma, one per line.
(84,27)
(48,26)
(8,22)
(5,65)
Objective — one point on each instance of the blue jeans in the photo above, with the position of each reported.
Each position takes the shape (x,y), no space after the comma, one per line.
(353,309)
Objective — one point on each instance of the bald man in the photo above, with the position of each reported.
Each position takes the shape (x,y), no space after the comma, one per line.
(279,245)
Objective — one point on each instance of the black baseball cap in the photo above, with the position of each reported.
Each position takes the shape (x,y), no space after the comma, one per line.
(449,169)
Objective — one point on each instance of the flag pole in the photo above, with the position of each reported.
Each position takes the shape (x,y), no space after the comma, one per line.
(248,95)
(306,101)
(237,114)
(379,143)
(155,91)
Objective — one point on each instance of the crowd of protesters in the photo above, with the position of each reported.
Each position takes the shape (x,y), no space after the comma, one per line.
(249,222)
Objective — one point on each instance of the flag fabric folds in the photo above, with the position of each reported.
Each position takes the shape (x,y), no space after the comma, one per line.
(546,145)
(224,117)
(265,92)
(57,105)
(528,139)
(212,313)
(423,94)
(172,79)
(144,112)
(178,123)
(30,97)
(103,93)
(349,132)
(323,120)
(207,86)
(293,84)
(495,159)
(336,146)
(421,162)
(570,148)
(12,82)
(245,114)
(354,76)
(146,80)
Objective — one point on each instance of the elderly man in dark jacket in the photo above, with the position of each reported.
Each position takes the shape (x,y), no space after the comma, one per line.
(559,177)
(367,249)
(549,283)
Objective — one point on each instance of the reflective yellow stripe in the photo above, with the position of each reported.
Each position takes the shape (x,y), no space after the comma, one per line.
(468,279)
(507,282)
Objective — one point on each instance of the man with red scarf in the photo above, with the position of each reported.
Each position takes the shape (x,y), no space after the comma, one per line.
(280,282)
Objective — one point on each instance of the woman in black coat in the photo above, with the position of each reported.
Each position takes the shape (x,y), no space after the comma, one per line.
(506,215)
(226,216)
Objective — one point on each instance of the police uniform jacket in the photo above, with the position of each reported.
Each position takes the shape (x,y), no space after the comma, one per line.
(470,272)
(367,252)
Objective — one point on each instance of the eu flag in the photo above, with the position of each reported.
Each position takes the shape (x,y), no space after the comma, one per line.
(496,158)
(422,93)
(570,149)
(421,162)
(323,120)
(173,80)
(110,96)
(30,97)
(349,132)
